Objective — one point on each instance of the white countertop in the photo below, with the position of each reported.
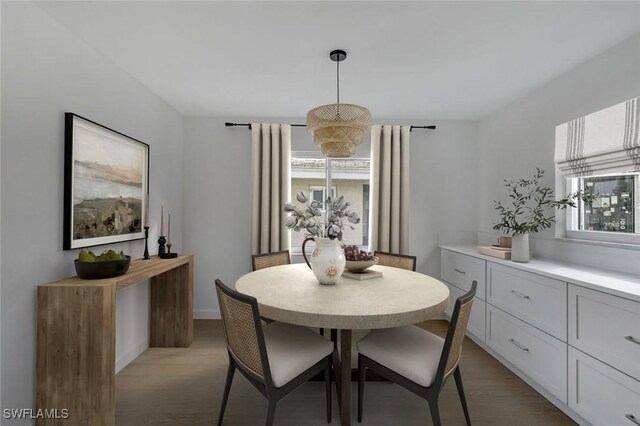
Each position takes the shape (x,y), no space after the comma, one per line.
(616,283)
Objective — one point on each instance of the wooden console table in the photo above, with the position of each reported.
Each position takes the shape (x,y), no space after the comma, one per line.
(76,335)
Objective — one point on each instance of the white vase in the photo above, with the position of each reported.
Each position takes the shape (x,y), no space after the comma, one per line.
(520,248)
(327,260)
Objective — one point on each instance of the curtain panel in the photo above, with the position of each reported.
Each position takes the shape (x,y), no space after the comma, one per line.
(604,142)
(270,186)
(389,198)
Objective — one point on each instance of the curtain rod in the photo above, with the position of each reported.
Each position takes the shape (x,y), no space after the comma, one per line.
(248,125)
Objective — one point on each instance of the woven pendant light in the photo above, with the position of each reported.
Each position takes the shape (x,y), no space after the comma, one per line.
(338,128)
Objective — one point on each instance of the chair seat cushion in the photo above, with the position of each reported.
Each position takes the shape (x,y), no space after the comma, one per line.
(409,351)
(293,350)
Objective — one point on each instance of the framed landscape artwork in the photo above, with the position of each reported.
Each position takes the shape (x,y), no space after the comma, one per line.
(106,182)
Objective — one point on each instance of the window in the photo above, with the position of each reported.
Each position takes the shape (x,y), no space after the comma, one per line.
(605,146)
(613,215)
(350,178)
(317,193)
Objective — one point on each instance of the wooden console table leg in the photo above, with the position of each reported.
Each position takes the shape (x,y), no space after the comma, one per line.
(172,308)
(76,353)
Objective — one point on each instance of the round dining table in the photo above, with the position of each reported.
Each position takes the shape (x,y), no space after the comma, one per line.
(292,294)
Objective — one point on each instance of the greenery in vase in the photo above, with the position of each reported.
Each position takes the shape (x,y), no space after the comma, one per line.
(530,204)
(313,220)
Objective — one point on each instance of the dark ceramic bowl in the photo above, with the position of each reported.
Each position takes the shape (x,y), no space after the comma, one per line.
(98,270)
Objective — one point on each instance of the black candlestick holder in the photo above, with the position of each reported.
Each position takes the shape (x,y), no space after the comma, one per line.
(161,245)
(146,243)
(168,254)
(165,253)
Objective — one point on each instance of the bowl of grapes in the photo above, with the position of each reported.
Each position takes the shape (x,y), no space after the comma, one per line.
(358,260)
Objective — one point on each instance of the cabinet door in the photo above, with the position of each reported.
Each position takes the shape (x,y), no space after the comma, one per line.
(601,394)
(476,324)
(537,300)
(606,327)
(537,354)
(461,270)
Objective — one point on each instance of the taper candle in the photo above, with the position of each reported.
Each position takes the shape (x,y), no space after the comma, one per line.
(146,210)
(162,220)
(169,232)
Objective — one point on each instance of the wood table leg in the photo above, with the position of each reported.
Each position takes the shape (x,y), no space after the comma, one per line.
(76,353)
(345,378)
(336,362)
(172,308)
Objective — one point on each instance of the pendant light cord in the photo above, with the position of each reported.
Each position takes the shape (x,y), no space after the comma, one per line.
(338,88)
(338,80)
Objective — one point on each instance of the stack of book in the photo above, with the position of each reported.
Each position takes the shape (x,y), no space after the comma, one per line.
(496,251)
(367,274)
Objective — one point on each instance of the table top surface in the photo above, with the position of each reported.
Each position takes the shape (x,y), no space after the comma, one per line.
(139,270)
(291,293)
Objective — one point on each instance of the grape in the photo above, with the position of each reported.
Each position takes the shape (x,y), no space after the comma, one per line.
(352,253)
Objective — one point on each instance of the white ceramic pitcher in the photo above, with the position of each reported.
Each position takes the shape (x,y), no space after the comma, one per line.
(327,259)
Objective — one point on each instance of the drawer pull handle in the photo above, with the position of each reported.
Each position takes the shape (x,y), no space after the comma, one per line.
(523,296)
(524,348)
(632,339)
(633,419)
(460,272)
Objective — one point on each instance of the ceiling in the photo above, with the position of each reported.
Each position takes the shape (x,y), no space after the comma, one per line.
(438,60)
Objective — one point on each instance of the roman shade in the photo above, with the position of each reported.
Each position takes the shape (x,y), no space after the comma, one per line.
(601,143)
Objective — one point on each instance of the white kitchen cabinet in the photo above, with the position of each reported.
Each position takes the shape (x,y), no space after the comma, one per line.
(607,327)
(461,271)
(571,331)
(539,355)
(601,394)
(537,300)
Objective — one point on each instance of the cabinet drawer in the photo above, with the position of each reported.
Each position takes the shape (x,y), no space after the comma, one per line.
(537,300)
(606,327)
(476,324)
(601,394)
(537,354)
(461,270)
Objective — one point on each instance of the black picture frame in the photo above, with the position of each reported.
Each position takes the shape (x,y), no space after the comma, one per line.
(106,185)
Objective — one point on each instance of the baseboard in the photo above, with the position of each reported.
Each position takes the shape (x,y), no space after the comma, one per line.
(206,314)
(130,355)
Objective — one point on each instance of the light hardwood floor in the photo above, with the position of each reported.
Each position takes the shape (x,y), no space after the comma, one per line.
(176,386)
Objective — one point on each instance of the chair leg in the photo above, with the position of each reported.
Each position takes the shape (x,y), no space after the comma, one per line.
(458,377)
(227,388)
(361,381)
(271,412)
(327,383)
(435,411)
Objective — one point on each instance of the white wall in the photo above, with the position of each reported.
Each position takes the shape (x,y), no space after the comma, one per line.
(0,210)
(217,194)
(520,137)
(46,71)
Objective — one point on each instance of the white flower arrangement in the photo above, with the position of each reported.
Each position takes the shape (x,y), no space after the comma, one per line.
(311,217)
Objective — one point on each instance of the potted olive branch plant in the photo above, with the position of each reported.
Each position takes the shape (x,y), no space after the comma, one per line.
(529,211)
(323,223)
